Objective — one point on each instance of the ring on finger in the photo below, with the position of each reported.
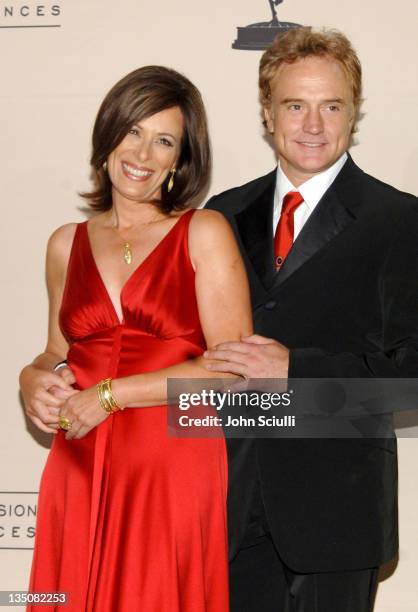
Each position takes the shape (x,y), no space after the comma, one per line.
(65,423)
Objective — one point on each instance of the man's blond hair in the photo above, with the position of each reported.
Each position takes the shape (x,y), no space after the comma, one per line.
(300,43)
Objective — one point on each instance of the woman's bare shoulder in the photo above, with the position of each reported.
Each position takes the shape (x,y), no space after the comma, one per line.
(60,241)
(62,238)
(207,223)
(209,233)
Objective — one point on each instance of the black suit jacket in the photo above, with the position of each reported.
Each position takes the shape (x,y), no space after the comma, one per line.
(346,305)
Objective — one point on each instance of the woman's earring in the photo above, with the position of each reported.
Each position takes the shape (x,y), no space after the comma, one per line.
(104,166)
(171,181)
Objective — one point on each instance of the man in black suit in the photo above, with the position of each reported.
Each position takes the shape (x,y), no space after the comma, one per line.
(332,259)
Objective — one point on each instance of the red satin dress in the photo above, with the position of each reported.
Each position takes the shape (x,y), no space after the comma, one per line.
(130,519)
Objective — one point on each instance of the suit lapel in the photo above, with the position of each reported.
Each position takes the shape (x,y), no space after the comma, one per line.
(327,221)
(333,213)
(255,227)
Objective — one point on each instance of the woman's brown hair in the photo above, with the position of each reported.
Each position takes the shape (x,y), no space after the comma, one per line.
(139,95)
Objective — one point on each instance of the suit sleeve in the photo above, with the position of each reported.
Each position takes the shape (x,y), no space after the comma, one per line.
(399,303)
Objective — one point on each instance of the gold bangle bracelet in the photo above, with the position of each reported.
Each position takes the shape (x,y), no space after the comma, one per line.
(106,397)
(101,400)
(107,394)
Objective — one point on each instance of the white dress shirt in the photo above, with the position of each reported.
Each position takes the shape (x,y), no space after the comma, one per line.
(311,190)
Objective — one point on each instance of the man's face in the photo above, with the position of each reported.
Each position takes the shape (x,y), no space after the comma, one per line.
(311,116)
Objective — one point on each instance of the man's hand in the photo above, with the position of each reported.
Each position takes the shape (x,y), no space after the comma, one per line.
(254,357)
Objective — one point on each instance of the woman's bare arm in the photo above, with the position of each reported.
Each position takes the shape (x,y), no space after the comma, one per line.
(37,379)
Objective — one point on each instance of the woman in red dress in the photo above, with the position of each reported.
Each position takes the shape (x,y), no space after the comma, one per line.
(129,518)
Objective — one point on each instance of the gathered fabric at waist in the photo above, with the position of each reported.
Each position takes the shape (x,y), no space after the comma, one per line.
(123,351)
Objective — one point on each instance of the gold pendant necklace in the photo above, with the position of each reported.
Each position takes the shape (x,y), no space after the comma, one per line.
(127,253)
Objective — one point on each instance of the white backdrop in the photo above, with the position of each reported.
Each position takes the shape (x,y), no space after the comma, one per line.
(52,81)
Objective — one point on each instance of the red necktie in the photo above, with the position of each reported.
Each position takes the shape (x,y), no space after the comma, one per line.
(283,238)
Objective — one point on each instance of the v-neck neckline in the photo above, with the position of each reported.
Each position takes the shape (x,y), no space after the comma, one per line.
(134,273)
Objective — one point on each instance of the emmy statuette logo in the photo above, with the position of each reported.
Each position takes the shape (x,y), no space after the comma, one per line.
(258,36)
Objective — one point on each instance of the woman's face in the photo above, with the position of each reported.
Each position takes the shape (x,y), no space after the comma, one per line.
(141,162)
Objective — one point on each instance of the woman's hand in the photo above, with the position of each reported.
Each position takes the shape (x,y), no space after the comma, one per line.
(84,412)
(44,393)
(66,374)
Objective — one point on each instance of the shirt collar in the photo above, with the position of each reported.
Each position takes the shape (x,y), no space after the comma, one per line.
(311,190)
